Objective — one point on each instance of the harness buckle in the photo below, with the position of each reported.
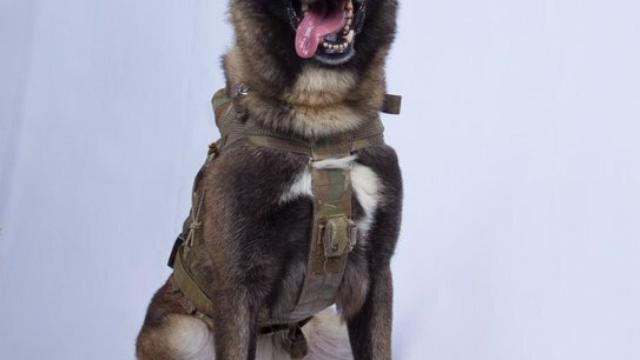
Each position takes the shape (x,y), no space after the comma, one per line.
(174,251)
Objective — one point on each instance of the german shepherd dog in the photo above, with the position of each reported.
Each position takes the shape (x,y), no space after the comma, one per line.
(315,68)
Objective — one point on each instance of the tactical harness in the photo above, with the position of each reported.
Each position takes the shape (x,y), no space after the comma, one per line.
(333,233)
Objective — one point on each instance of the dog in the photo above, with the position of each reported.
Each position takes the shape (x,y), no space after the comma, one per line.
(307,69)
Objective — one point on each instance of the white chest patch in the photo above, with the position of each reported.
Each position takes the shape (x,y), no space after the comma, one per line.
(366,186)
(368,190)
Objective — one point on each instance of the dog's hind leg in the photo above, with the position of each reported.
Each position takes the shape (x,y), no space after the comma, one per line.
(169,333)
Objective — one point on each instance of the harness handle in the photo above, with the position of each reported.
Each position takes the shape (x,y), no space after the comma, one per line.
(392,104)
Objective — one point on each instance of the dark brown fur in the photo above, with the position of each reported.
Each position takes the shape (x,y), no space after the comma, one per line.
(251,250)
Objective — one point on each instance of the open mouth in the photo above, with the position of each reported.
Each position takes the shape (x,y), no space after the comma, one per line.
(326,33)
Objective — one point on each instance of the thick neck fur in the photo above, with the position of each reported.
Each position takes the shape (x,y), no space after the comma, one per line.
(300,98)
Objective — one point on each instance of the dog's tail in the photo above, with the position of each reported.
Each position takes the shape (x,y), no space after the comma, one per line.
(326,335)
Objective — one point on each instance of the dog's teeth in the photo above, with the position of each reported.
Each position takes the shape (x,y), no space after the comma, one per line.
(335,48)
(305,7)
(350,36)
(347,27)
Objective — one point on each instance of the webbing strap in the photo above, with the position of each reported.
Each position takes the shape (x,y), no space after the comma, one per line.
(392,104)
(332,238)
(235,128)
(184,280)
(308,149)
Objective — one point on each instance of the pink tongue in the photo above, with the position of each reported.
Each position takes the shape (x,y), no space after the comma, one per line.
(313,28)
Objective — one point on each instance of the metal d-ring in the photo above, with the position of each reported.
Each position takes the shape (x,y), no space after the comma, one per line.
(240,90)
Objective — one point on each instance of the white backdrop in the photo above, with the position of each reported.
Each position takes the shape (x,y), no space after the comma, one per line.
(519,145)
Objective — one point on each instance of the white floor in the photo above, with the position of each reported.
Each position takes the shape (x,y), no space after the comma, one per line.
(519,144)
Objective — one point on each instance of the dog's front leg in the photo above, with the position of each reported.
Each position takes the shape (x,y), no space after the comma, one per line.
(234,326)
(370,328)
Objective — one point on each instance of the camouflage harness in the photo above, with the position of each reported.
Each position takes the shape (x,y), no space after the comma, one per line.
(333,233)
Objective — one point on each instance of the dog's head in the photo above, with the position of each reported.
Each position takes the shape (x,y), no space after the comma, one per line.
(288,35)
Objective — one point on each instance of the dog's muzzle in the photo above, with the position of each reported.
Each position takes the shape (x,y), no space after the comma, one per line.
(326,30)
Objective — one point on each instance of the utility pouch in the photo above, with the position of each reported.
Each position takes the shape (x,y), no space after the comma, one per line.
(336,237)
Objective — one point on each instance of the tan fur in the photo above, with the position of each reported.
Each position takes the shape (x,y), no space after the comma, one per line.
(181,336)
(189,338)
(319,87)
(328,337)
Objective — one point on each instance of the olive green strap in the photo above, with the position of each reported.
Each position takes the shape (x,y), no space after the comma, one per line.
(391,104)
(333,232)
(235,128)
(289,145)
(184,280)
